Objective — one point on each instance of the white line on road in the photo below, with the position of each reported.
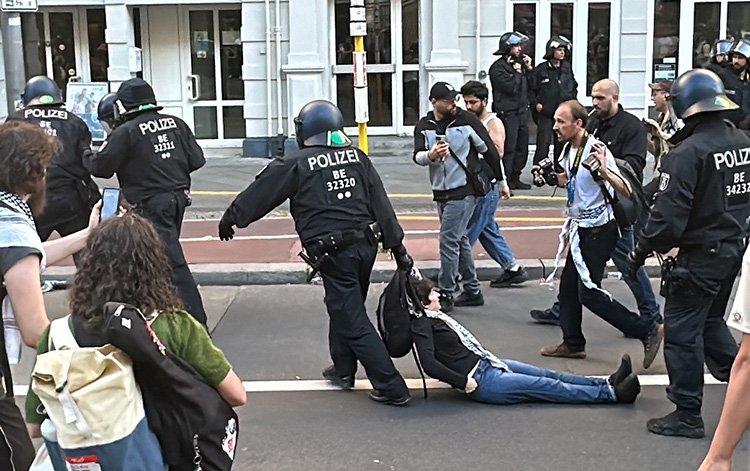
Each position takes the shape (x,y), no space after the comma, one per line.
(411,232)
(307,385)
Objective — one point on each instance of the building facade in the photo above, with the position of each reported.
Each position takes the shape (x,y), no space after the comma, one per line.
(238,71)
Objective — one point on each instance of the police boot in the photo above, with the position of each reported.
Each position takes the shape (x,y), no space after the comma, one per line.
(679,423)
(343,382)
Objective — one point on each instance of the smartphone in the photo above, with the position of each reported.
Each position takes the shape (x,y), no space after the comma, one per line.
(110,203)
(441,139)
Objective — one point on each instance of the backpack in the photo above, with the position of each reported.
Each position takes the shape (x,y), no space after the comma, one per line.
(93,401)
(394,314)
(630,210)
(197,429)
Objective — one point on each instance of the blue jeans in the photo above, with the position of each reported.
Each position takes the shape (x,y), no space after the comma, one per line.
(456,257)
(640,287)
(483,227)
(531,383)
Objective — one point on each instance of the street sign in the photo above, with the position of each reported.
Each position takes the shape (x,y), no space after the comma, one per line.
(18,5)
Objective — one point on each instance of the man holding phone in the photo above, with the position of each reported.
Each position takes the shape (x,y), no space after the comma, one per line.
(590,233)
(448,141)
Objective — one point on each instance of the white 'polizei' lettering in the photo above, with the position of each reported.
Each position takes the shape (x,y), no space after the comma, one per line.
(333,159)
(157,125)
(45,113)
(732,158)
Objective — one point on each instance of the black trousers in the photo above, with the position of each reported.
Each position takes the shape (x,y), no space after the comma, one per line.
(64,212)
(16,449)
(596,247)
(165,211)
(545,137)
(516,142)
(351,336)
(695,333)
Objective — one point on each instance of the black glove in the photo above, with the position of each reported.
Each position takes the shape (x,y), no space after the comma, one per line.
(402,257)
(636,259)
(226,227)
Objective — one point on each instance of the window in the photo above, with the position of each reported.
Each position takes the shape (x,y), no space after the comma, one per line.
(666,39)
(34,54)
(598,45)
(738,20)
(561,21)
(524,21)
(98,57)
(705,31)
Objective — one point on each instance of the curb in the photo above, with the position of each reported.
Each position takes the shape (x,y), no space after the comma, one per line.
(238,274)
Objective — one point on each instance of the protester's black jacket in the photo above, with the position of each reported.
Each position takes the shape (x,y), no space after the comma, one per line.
(624,135)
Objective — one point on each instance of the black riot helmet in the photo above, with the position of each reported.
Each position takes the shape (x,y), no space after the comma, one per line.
(741,47)
(107,112)
(320,123)
(555,42)
(133,96)
(41,90)
(721,47)
(698,91)
(509,39)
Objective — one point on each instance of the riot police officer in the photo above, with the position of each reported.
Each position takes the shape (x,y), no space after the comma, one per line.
(71,192)
(106,113)
(337,200)
(701,207)
(509,76)
(737,80)
(153,155)
(720,60)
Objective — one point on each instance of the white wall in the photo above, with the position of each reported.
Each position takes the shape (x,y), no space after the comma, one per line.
(3,89)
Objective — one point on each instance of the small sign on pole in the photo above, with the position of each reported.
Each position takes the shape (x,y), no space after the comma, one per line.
(18,6)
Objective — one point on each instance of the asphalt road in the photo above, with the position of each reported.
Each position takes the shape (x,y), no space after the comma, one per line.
(275,336)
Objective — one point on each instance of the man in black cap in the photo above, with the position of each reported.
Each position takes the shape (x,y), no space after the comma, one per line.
(153,155)
(509,76)
(448,141)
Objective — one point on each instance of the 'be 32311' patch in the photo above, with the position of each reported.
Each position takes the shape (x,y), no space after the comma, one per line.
(664,181)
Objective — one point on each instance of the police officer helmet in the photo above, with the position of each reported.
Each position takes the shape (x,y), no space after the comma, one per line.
(741,47)
(555,42)
(508,40)
(107,112)
(721,47)
(320,123)
(41,90)
(698,91)
(133,96)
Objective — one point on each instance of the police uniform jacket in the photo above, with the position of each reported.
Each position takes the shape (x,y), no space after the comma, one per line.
(718,69)
(551,85)
(151,153)
(67,168)
(510,89)
(737,88)
(704,192)
(467,138)
(330,190)
(624,135)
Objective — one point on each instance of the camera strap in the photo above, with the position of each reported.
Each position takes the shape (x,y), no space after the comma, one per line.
(574,169)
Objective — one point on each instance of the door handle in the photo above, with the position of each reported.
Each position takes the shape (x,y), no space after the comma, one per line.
(194,87)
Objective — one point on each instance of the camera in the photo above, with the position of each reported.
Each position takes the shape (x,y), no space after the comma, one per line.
(545,175)
(592,164)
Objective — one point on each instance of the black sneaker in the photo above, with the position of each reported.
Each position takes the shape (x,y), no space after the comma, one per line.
(651,345)
(545,316)
(678,424)
(379,396)
(470,299)
(446,302)
(522,186)
(625,368)
(628,389)
(509,278)
(343,382)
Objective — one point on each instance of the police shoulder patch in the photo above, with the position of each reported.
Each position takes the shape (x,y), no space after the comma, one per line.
(664,181)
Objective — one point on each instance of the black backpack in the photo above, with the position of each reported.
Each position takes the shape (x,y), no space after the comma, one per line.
(192,421)
(630,210)
(394,314)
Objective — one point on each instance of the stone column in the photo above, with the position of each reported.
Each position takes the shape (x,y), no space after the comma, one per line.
(445,61)
(119,36)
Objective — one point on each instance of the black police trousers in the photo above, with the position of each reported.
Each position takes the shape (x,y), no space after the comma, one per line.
(165,211)
(695,332)
(545,137)
(516,125)
(596,245)
(64,212)
(16,449)
(351,335)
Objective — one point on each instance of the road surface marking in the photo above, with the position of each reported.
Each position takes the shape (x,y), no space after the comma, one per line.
(207,238)
(307,385)
(392,195)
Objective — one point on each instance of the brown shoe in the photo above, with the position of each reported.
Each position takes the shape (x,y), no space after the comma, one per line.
(563,351)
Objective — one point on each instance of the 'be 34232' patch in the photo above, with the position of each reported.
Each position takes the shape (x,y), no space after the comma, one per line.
(664,181)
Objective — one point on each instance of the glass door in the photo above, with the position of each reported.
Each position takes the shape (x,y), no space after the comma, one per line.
(216,93)
(392,46)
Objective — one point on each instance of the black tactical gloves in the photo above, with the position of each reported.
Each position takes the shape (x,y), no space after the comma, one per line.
(402,257)
(226,226)
(636,259)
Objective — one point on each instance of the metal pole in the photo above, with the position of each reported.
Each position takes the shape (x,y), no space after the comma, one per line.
(15,77)
(358,30)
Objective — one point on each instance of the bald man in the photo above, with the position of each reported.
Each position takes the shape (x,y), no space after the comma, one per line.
(627,139)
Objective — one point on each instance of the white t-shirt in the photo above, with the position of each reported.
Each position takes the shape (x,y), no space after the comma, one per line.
(588,207)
